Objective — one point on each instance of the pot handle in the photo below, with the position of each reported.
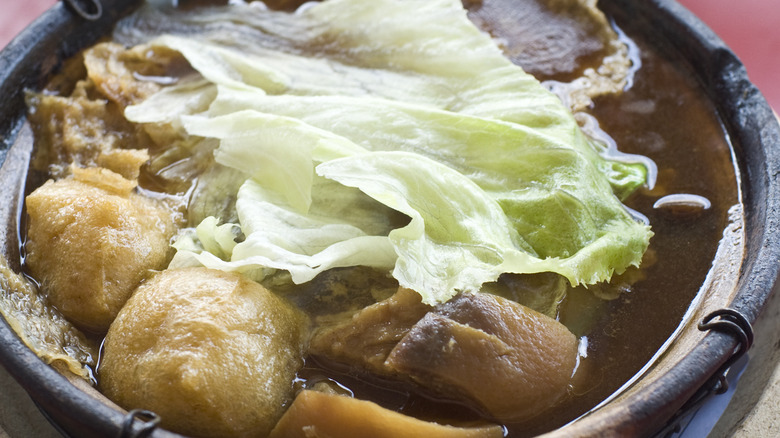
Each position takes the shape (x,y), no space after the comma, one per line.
(148,423)
(89,10)
(723,320)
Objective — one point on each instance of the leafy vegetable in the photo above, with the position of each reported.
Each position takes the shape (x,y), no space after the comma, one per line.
(395,134)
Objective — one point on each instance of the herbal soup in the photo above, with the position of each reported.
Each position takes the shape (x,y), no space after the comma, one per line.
(366,218)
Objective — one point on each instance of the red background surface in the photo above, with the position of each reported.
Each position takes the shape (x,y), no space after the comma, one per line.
(750,27)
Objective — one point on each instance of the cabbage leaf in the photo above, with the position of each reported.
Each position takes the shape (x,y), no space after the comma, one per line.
(394,134)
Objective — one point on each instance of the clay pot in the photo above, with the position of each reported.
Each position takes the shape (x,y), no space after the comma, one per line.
(693,358)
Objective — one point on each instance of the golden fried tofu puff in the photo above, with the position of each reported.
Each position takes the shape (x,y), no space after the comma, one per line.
(91,240)
(211,352)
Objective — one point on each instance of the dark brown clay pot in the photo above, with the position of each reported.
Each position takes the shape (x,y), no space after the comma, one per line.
(691,360)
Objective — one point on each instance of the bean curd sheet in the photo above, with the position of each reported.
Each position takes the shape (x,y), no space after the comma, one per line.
(622,92)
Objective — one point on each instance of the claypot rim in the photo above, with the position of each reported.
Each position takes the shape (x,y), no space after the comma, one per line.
(745,114)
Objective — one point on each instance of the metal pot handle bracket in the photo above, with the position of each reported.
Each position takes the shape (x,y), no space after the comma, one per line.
(90,10)
(732,322)
(148,423)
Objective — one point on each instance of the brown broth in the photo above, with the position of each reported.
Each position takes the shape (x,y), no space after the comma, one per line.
(667,117)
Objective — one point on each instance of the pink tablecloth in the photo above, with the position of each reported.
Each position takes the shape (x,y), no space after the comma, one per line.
(16,14)
(752,29)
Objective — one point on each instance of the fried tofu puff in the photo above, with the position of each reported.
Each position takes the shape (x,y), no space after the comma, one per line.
(91,240)
(211,352)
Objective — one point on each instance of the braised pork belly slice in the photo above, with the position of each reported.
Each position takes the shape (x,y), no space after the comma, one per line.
(488,352)
(509,360)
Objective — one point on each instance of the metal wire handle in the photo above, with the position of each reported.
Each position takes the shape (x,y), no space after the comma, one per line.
(89,10)
(737,324)
(729,321)
(149,419)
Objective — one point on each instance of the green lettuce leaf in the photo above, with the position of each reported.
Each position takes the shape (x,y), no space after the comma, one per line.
(276,151)
(395,134)
(342,227)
